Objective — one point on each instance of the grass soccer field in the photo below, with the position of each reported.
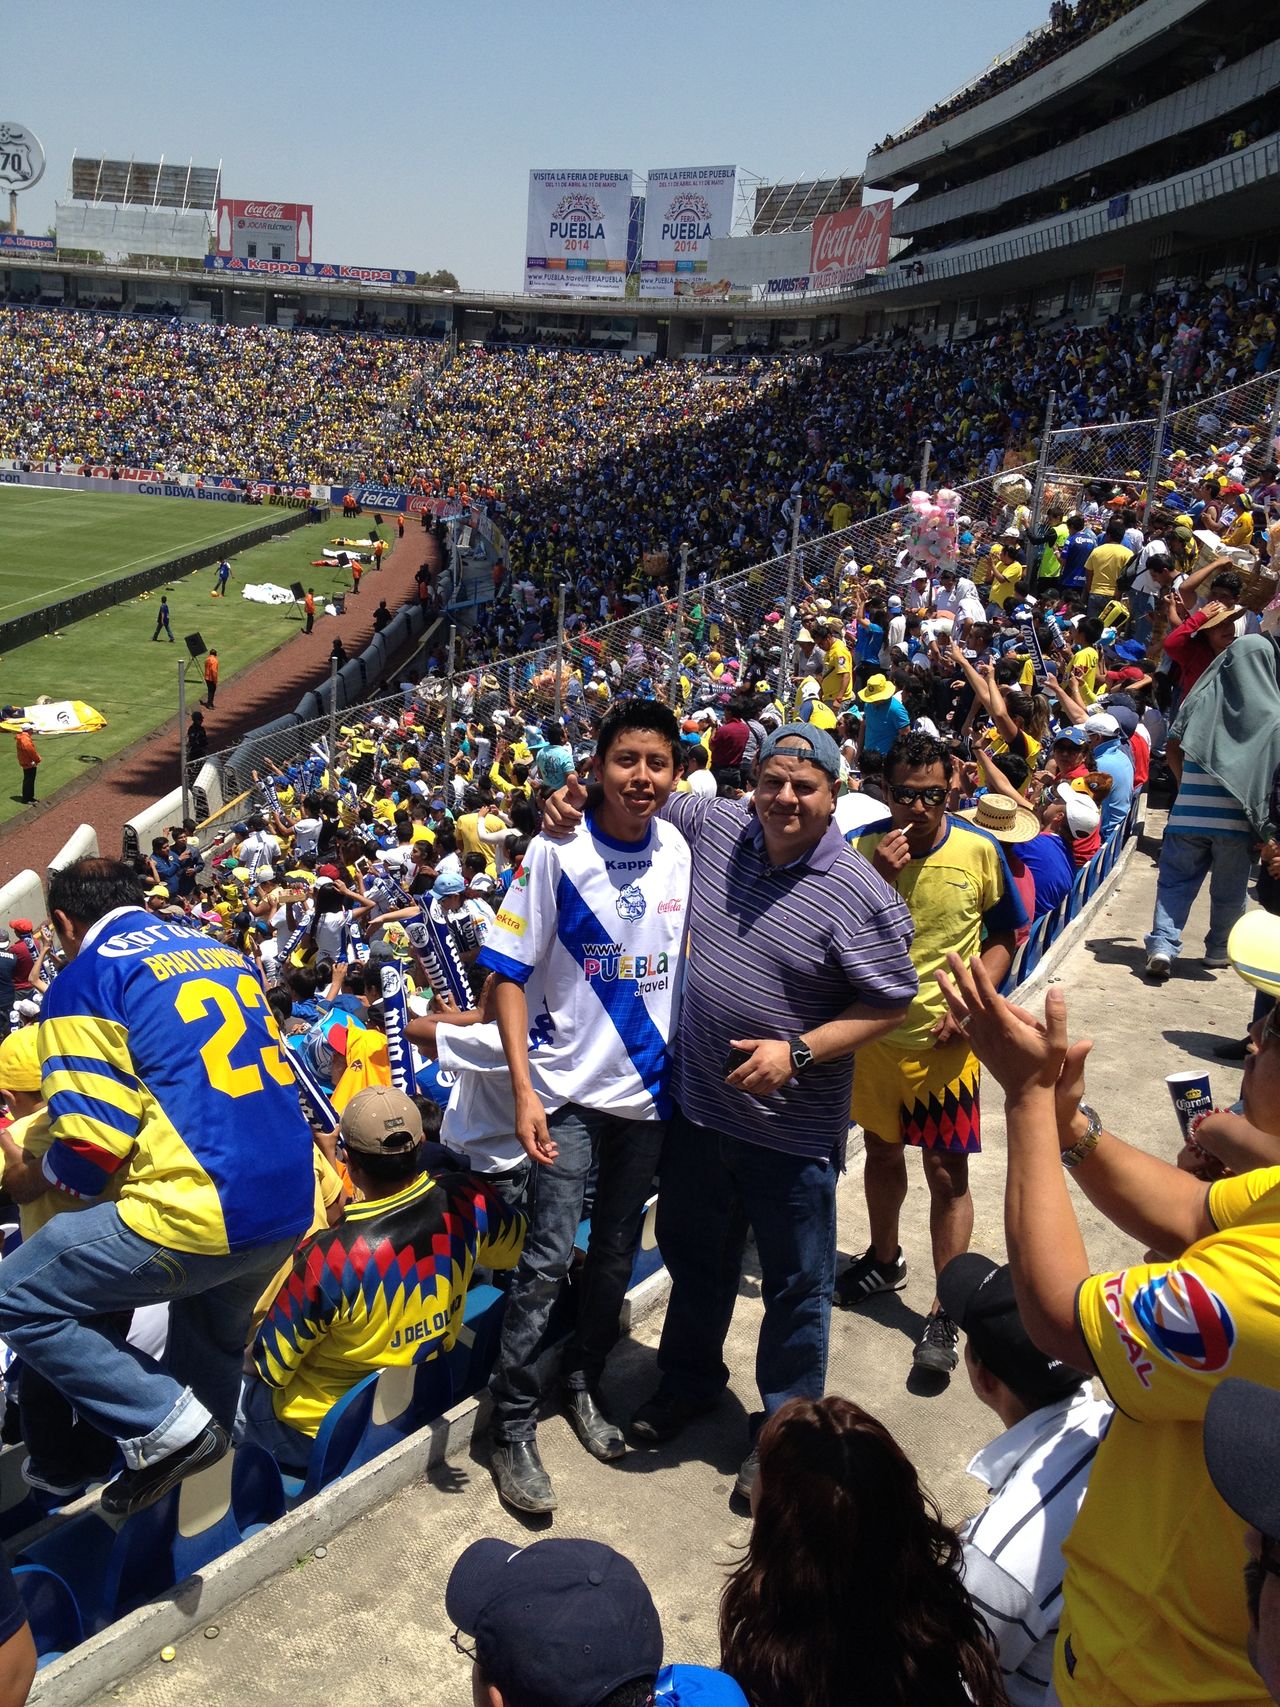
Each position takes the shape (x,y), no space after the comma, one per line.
(111,663)
(55,544)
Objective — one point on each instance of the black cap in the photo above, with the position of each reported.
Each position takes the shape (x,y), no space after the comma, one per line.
(978,1295)
(556,1624)
(1242,1449)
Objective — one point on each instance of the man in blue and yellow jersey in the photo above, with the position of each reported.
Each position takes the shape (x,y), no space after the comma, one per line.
(385,1288)
(162,1069)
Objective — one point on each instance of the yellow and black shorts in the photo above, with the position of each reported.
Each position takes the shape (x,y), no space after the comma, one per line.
(930,1099)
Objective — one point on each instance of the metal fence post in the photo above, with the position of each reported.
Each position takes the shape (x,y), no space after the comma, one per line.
(182,736)
(448,713)
(924,465)
(560,653)
(333,724)
(677,632)
(1157,447)
(784,668)
(1273,428)
(1042,467)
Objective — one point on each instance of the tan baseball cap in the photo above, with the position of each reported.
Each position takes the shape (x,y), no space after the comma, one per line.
(381,1121)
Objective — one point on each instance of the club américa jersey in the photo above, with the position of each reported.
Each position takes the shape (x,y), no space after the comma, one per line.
(594,928)
(161,1062)
(1154,1609)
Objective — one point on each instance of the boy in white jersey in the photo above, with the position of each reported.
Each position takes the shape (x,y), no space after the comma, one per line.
(590,933)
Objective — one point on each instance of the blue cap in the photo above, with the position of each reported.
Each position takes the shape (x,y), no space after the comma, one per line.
(557,1623)
(1072,737)
(449,883)
(803,741)
(1132,651)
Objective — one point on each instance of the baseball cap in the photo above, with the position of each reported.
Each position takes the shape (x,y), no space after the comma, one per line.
(978,1295)
(448,883)
(20,1060)
(156,891)
(1101,723)
(1241,1449)
(381,1121)
(1070,737)
(1083,816)
(23,925)
(560,1623)
(1253,948)
(803,741)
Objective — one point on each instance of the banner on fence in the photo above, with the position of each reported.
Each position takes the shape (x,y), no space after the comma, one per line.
(846,246)
(17,242)
(222,491)
(577,233)
(311,270)
(685,207)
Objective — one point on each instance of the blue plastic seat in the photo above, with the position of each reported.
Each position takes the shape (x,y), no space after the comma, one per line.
(648,1256)
(339,1436)
(205,1525)
(1034,949)
(257,1488)
(52,1611)
(472,1358)
(404,1400)
(110,1571)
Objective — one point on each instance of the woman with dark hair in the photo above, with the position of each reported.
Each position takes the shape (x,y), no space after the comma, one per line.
(850,1594)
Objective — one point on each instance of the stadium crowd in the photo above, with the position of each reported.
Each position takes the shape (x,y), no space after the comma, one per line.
(409,968)
(442,967)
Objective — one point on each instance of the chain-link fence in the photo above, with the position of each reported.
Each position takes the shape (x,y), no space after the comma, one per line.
(684,628)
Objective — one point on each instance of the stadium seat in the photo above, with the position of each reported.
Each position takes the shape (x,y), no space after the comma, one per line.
(1078,887)
(1034,948)
(340,1434)
(205,1525)
(257,1488)
(52,1611)
(404,1400)
(648,1256)
(472,1358)
(109,1571)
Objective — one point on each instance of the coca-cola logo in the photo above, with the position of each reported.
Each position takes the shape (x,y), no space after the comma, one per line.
(263,210)
(852,241)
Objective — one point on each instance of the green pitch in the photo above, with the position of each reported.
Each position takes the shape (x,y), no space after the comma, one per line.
(109,660)
(55,544)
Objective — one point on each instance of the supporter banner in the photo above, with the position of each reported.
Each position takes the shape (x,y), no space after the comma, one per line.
(685,207)
(311,270)
(55,717)
(847,245)
(17,242)
(577,233)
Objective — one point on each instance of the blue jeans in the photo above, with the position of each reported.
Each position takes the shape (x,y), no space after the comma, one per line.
(83,1265)
(625,1153)
(712,1187)
(256,1420)
(1185,861)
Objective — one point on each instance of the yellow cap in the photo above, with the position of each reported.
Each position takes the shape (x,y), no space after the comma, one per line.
(1254,950)
(19,1062)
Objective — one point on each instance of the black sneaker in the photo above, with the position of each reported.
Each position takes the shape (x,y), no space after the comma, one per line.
(866,1276)
(48,1479)
(665,1415)
(134,1490)
(938,1346)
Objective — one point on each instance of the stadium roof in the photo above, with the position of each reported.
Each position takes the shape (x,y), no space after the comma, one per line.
(792,207)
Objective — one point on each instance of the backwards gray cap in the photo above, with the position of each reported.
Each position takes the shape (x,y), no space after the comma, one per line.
(803,741)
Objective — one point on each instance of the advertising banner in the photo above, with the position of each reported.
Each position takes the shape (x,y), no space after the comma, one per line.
(685,207)
(846,246)
(16,242)
(577,233)
(258,229)
(311,270)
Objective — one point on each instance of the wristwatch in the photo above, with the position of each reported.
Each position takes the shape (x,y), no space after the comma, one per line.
(801,1055)
(1085,1146)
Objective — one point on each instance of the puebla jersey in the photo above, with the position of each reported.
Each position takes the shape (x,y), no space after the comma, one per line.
(161,1061)
(595,929)
(1153,1606)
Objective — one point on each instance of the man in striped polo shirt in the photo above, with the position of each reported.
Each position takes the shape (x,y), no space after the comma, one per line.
(798,955)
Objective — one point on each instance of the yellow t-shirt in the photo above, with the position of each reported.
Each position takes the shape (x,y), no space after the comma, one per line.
(952,892)
(837,675)
(1103,566)
(1084,664)
(1154,1607)
(33,1136)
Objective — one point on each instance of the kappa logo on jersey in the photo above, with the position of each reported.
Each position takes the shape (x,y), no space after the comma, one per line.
(631,903)
(1185,1321)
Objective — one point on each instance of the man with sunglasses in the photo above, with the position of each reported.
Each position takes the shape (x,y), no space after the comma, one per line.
(919,1084)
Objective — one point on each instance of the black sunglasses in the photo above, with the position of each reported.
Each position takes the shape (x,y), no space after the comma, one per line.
(931,796)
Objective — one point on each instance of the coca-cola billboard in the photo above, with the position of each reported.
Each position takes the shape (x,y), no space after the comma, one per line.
(264,231)
(848,245)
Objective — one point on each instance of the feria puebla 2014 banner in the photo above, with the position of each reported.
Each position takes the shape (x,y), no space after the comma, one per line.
(577,237)
(685,207)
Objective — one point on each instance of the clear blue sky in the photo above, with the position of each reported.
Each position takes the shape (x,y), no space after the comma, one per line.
(411,125)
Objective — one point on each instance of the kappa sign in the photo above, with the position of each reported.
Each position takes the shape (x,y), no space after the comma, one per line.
(848,245)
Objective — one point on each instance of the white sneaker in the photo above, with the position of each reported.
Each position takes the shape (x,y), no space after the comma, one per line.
(1159,966)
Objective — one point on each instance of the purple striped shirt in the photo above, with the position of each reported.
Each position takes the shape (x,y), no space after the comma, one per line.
(773,952)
